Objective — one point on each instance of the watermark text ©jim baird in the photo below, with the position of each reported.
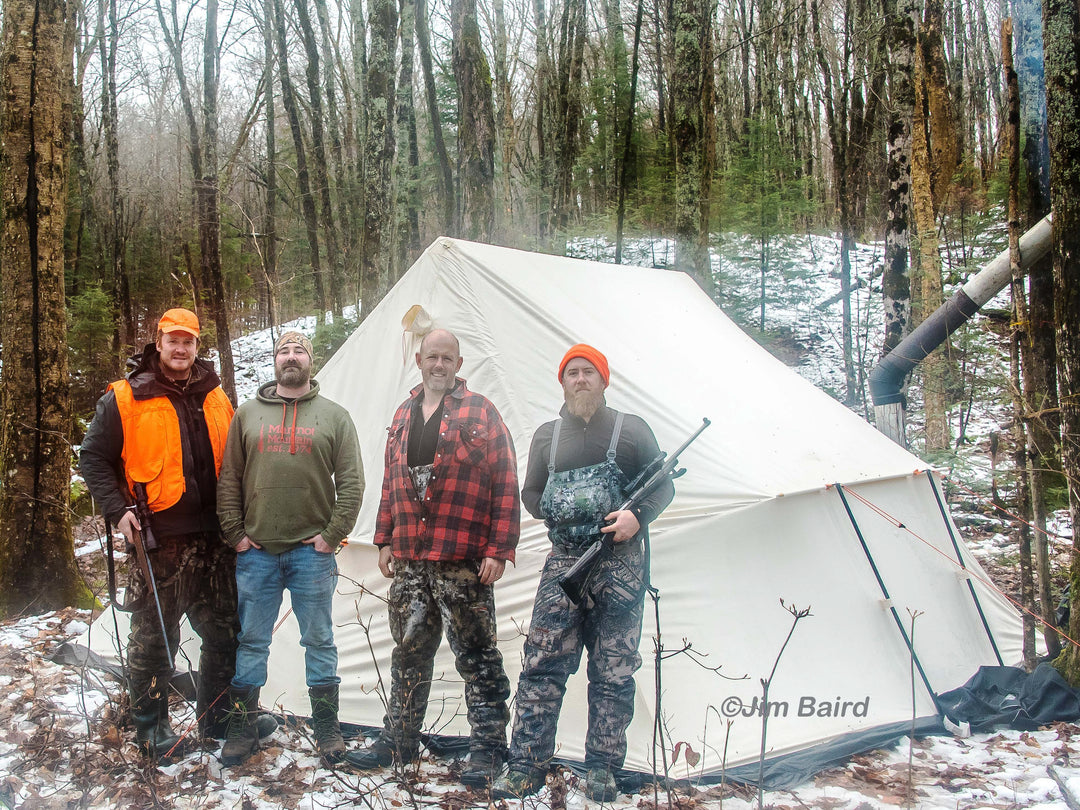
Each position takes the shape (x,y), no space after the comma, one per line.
(805,706)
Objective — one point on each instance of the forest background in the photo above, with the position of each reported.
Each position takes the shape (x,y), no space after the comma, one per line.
(257,160)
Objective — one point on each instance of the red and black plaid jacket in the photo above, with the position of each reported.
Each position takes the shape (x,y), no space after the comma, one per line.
(471,509)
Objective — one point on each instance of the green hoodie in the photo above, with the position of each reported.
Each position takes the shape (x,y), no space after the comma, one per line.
(291,470)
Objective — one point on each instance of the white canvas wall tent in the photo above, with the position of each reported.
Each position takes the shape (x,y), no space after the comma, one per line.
(757,519)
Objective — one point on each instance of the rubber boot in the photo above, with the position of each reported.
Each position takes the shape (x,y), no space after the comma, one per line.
(379,754)
(324,721)
(153,734)
(242,737)
(483,768)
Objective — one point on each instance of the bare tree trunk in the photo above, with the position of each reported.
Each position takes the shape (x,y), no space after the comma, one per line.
(379,153)
(408,159)
(628,133)
(663,98)
(1040,377)
(476,133)
(269,236)
(542,80)
(568,112)
(37,555)
(124,334)
(318,149)
(1017,347)
(208,210)
(615,47)
(934,159)
(303,179)
(692,27)
(853,82)
(343,270)
(1061,39)
(357,127)
(708,150)
(203,152)
(504,116)
(446,175)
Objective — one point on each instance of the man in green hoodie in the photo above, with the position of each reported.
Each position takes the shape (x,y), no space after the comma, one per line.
(289,493)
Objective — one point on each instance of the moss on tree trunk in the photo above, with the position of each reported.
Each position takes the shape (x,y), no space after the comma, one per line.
(37,560)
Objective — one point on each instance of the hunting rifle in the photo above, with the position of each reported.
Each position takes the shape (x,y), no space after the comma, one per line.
(144,541)
(660,469)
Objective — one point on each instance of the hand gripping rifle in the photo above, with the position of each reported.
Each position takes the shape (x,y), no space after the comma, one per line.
(660,469)
(144,541)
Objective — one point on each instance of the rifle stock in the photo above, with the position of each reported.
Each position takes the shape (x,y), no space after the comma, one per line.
(575,581)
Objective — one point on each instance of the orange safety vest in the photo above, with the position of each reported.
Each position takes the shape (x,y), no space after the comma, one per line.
(155,456)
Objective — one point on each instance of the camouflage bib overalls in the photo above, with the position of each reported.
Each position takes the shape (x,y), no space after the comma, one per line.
(607,622)
(574,502)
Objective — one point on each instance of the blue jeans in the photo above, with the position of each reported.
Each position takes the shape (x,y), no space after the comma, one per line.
(261,578)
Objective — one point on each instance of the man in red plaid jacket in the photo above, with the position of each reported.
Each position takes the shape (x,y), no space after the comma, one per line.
(448,523)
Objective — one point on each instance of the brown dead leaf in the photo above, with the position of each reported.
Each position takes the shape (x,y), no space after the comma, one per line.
(827,803)
(871,775)
(894,800)
(111,737)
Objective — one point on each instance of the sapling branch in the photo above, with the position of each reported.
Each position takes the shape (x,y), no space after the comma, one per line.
(913,614)
(797,615)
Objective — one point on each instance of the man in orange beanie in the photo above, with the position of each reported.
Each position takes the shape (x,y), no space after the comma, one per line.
(579,468)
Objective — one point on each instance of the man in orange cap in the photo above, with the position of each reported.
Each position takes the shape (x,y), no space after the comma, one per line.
(164,426)
(578,472)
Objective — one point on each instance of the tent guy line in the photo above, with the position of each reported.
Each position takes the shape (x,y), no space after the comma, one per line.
(968,573)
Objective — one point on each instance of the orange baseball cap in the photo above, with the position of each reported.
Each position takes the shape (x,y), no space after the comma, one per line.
(587,352)
(179,320)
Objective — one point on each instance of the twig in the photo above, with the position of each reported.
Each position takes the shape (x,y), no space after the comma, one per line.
(797,616)
(914,614)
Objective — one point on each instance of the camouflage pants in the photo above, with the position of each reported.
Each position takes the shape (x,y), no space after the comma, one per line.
(195,576)
(424,596)
(607,623)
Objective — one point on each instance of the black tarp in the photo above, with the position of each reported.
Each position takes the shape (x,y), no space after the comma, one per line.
(1009,696)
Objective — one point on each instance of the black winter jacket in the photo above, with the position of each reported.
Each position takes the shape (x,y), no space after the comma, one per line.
(100,457)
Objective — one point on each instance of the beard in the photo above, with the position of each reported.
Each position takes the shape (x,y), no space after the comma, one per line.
(293,376)
(583,404)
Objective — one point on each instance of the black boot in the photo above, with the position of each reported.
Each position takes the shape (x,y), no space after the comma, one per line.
(153,734)
(324,721)
(380,754)
(483,768)
(214,719)
(242,737)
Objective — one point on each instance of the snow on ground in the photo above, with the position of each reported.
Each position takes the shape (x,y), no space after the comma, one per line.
(65,741)
(64,744)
